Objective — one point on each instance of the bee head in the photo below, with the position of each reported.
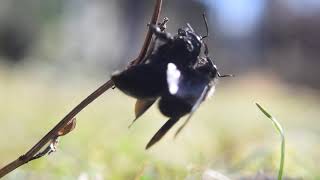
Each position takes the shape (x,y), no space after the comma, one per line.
(191,41)
(208,68)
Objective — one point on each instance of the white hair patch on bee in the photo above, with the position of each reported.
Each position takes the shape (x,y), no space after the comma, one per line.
(173,75)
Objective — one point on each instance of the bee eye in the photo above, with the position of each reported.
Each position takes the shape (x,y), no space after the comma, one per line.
(182,32)
(196,38)
(189,46)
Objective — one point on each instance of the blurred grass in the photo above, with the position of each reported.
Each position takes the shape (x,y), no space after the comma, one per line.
(280,131)
(225,134)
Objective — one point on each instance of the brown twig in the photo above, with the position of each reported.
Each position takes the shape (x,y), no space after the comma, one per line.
(154,20)
(53,132)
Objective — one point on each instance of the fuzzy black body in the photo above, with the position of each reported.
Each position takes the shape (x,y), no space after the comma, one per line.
(182,50)
(144,81)
(174,73)
(148,80)
(191,85)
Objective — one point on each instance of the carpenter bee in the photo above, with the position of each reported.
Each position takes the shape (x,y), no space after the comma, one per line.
(174,73)
(148,81)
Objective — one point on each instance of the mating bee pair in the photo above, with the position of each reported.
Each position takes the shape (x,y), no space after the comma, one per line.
(175,73)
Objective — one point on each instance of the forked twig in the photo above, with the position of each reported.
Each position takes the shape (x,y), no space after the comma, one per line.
(52,134)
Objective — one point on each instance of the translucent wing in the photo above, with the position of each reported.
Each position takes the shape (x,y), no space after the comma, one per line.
(162,131)
(141,107)
(194,108)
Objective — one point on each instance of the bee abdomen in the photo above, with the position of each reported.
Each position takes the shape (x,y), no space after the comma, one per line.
(172,106)
(141,81)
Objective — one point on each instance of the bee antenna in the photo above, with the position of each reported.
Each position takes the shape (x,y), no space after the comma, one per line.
(206,49)
(206,24)
(225,75)
(189,26)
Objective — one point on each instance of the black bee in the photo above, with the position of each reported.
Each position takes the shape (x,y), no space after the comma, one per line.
(148,81)
(175,73)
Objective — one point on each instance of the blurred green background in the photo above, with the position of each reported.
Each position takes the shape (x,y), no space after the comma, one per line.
(55,53)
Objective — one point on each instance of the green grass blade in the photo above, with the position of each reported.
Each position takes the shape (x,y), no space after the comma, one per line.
(279,128)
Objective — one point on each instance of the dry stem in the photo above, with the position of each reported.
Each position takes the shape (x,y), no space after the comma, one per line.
(28,156)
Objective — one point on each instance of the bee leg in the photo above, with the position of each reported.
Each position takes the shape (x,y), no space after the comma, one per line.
(156,30)
(162,131)
(163,24)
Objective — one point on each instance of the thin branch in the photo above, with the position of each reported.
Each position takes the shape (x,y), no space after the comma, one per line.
(53,132)
(154,20)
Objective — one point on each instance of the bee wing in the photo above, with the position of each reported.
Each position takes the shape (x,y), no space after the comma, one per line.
(162,131)
(189,86)
(194,108)
(141,107)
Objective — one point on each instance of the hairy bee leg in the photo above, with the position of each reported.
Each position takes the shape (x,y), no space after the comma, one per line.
(162,131)
(162,27)
(149,52)
(156,30)
(163,24)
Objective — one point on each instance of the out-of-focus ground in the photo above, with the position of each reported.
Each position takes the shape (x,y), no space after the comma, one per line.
(227,133)
(55,53)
